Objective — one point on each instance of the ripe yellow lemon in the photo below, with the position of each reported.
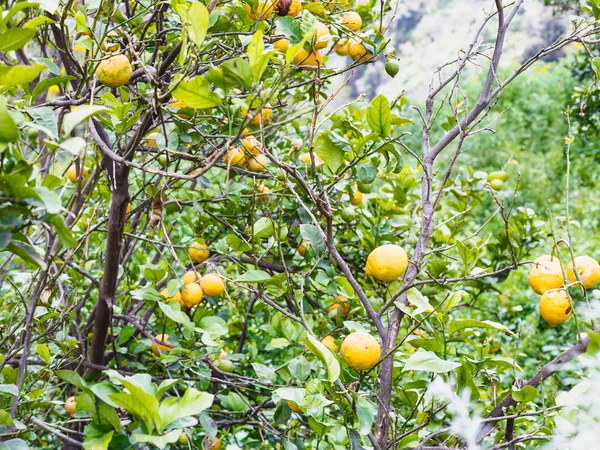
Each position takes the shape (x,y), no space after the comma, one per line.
(191,276)
(198,252)
(192,294)
(303,248)
(289,7)
(175,298)
(387,262)
(264,116)
(262,11)
(342,304)
(263,195)
(70,405)
(212,285)
(356,198)
(545,274)
(305,158)
(341,47)
(555,306)
(329,342)
(357,51)
(352,21)
(258,163)
(322,36)
(110,43)
(281,45)
(360,350)
(308,60)
(235,156)
(114,71)
(252,145)
(158,348)
(420,333)
(295,408)
(72,173)
(589,271)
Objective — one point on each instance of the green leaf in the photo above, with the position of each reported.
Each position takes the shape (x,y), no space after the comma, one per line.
(50,199)
(196,92)
(15,38)
(237,243)
(233,402)
(140,404)
(254,276)
(366,173)
(264,373)
(49,82)
(326,357)
(74,118)
(313,235)
(524,395)
(424,360)
(97,443)
(596,66)
(329,150)
(192,403)
(14,444)
(19,75)
(5,419)
(379,117)
(8,129)
(259,59)
(196,22)
(10,389)
(459,325)
(290,27)
(64,233)
(173,311)
(160,441)
(26,253)
(263,228)
(109,414)
(42,350)
(365,412)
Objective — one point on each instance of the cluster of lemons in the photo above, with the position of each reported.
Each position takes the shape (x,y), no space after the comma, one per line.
(547,279)
(250,153)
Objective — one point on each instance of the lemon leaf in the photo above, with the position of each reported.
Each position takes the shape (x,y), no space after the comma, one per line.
(326,357)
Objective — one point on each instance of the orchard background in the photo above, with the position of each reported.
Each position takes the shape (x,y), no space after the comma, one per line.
(193,201)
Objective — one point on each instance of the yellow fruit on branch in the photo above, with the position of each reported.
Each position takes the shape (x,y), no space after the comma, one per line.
(72,173)
(342,306)
(175,298)
(308,60)
(281,45)
(260,117)
(356,198)
(555,306)
(387,262)
(352,21)
(262,10)
(235,156)
(360,350)
(157,347)
(151,140)
(212,285)
(263,193)
(289,7)
(212,443)
(305,158)
(198,252)
(357,51)
(192,294)
(110,43)
(545,274)
(71,405)
(329,342)
(114,71)
(322,36)
(258,163)
(341,47)
(252,145)
(295,407)
(303,248)
(588,269)
(191,276)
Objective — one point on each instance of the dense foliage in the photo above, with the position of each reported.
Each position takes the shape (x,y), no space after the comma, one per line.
(216,156)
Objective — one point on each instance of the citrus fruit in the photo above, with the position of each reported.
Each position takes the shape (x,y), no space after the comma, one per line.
(352,21)
(252,145)
(322,36)
(110,43)
(329,342)
(303,248)
(356,198)
(263,9)
(198,252)
(387,262)
(589,271)
(498,175)
(235,156)
(212,284)
(281,45)
(70,405)
(72,173)
(341,47)
(497,184)
(289,7)
(192,294)
(212,444)
(175,298)
(392,68)
(295,407)
(157,347)
(305,158)
(360,350)
(342,304)
(151,140)
(264,116)
(421,334)
(545,274)
(191,276)
(308,60)
(226,365)
(258,163)
(357,51)
(263,195)
(555,306)
(114,71)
